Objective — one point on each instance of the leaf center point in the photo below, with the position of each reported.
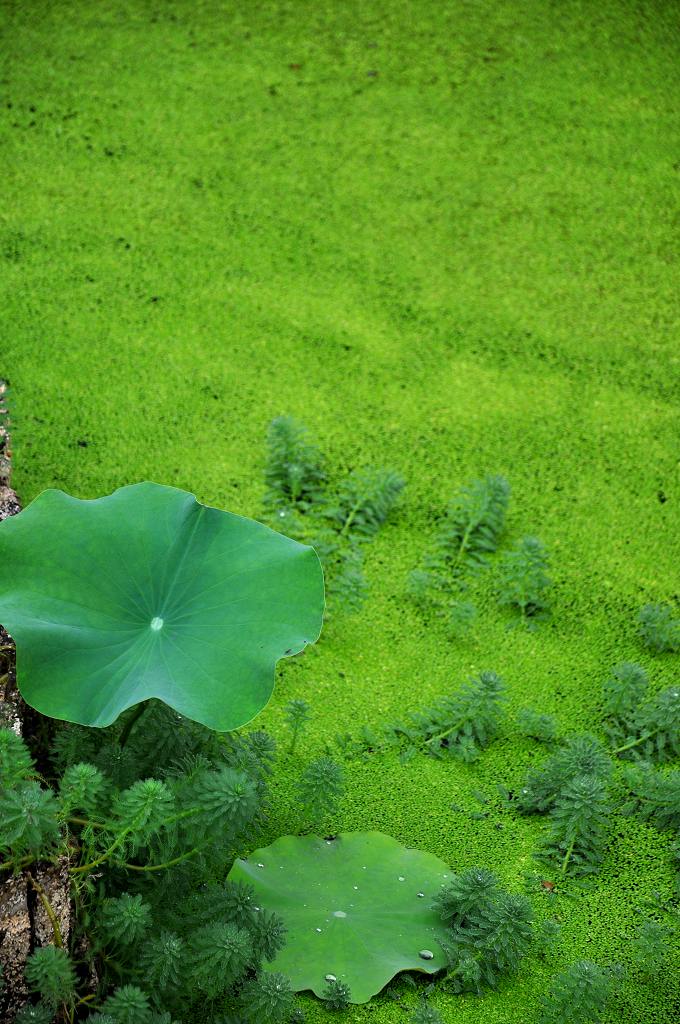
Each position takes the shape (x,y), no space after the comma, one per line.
(156,624)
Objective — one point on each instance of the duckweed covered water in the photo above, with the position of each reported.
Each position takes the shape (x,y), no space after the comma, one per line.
(443,237)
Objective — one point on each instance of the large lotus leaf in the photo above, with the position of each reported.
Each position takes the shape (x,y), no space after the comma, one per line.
(147,593)
(357,907)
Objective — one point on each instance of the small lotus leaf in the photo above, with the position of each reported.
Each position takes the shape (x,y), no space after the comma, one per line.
(358,907)
(147,593)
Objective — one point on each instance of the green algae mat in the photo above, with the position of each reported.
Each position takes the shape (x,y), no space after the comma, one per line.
(443,237)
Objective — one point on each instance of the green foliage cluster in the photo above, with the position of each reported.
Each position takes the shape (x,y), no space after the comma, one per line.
(650,947)
(50,973)
(491,930)
(295,477)
(654,795)
(337,519)
(467,537)
(659,628)
(579,786)
(151,829)
(572,788)
(297,716)
(578,995)
(459,726)
(320,788)
(581,755)
(524,579)
(336,995)
(460,617)
(536,725)
(39,1013)
(579,825)
(470,531)
(426,1014)
(642,729)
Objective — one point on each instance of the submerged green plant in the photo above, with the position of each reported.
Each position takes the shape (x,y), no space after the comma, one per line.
(582,755)
(337,520)
(572,788)
(426,1014)
(651,947)
(461,617)
(523,579)
(466,537)
(578,994)
(491,930)
(337,995)
(294,476)
(647,730)
(297,715)
(50,972)
(469,532)
(579,821)
(536,725)
(16,763)
(28,821)
(320,788)
(344,564)
(267,999)
(460,726)
(40,1013)
(128,1005)
(364,502)
(472,527)
(654,795)
(624,690)
(659,628)
(175,936)
(125,919)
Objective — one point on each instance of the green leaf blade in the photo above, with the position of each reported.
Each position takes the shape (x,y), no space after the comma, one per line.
(147,593)
(352,908)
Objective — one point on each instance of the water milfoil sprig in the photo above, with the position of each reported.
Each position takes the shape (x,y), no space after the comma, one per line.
(578,827)
(336,519)
(175,936)
(659,628)
(295,476)
(490,930)
(637,727)
(458,726)
(578,994)
(523,579)
(467,535)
